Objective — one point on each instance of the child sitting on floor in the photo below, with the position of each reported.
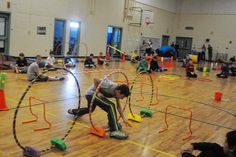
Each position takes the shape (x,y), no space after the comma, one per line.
(21,64)
(50,62)
(134,57)
(101,60)
(212,149)
(89,63)
(68,61)
(33,72)
(154,66)
(143,66)
(190,69)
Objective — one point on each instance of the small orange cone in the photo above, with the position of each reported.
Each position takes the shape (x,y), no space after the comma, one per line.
(98,132)
(108,58)
(162,62)
(122,58)
(3,105)
(170,63)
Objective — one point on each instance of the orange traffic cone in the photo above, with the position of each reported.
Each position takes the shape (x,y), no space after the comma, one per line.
(162,62)
(3,105)
(122,58)
(108,58)
(170,63)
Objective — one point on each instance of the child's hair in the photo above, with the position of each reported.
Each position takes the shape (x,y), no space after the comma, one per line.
(91,55)
(100,53)
(51,53)
(38,56)
(231,139)
(68,53)
(21,54)
(124,89)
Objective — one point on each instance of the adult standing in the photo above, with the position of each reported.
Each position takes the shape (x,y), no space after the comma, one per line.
(210,49)
(203,55)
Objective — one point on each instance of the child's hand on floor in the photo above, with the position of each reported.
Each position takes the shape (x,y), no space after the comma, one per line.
(127,123)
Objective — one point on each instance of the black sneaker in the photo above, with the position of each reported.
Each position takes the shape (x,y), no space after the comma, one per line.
(61,78)
(73,111)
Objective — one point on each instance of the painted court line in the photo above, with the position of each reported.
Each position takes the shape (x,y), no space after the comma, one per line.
(3,154)
(133,142)
(149,148)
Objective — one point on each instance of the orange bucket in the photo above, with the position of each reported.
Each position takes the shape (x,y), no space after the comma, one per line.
(218,96)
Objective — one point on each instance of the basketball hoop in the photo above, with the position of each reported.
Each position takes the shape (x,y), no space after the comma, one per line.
(147,20)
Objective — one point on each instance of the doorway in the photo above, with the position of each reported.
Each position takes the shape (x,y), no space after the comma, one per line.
(114,38)
(4,33)
(185,45)
(74,37)
(59,37)
(165,40)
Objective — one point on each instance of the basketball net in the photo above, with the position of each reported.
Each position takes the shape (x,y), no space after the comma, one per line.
(148,22)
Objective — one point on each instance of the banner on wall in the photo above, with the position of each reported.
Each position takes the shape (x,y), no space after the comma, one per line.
(41,30)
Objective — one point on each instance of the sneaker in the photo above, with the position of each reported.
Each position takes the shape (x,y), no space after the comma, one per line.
(119,135)
(61,78)
(73,111)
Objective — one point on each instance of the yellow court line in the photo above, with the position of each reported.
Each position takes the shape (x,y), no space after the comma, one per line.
(134,143)
(3,154)
(47,112)
(149,148)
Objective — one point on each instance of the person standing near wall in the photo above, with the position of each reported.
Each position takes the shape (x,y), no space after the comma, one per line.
(203,55)
(210,49)
(177,49)
(149,47)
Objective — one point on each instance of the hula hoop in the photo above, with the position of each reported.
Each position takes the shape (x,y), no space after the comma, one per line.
(97,90)
(131,88)
(174,75)
(19,104)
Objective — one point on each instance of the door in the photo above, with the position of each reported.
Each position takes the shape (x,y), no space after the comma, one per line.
(4,33)
(185,45)
(165,40)
(114,38)
(74,37)
(59,37)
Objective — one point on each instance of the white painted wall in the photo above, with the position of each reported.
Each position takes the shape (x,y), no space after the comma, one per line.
(206,6)
(169,5)
(214,19)
(26,15)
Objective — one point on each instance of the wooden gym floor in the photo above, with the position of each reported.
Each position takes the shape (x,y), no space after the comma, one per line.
(211,119)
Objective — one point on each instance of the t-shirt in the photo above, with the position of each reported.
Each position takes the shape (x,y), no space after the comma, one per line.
(50,61)
(143,64)
(189,68)
(133,56)
(21,63)
(33,71)
(107,89)
(209,149)
(67,60)
(88,61)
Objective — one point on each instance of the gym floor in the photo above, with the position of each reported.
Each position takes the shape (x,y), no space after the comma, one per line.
(210,119)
